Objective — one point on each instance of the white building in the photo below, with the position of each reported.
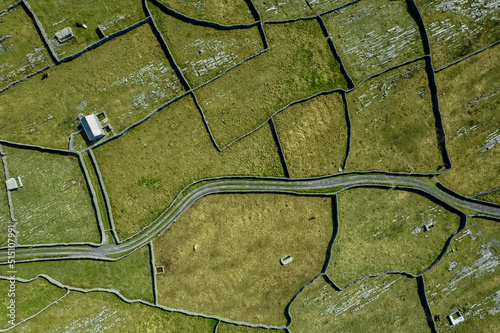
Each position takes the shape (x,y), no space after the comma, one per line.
(92,127)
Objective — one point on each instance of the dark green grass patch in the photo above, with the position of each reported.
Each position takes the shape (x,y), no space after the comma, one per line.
(456,29)
(382,230)
(491,197)
(128,77)
(388,303)
(54,205)
(313,136)
(23,53)
(225,12)
(103,312)
(273,10)
(393,124)
(467,278)
(29,298)
(145,169)
(299,64)
(203,52)
(228,328)
(235,271)
(4,211)
(109,15)
(131,275)
(469,98)
(373,36)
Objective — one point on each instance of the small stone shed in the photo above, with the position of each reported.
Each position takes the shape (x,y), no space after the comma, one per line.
(64,35)
(92,127)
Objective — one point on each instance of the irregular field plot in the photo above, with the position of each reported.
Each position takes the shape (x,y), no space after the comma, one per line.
(373,36)
(313,136)
(387,303)
(298,64)
(104,312)
(235,271)
(29,299)
(271,10)
(467,278)
(225,12)
(110,15)
(23,53)
(129,77)
(203,52)
(393,124)
(458,28)
(131,276)
(54,205)
(145,169)
(469,100)
(387,234)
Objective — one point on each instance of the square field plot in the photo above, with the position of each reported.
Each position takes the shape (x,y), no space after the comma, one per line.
(298,64)
(204,52)
(469,99)
(110,16)
(54,205)
(275,10)
(226,12)
(22,51)
(128,77)
(240,239)
(458,28)
(145,169)
(388,303)
(393,124)
(467,278)
(373,36)
(313,135)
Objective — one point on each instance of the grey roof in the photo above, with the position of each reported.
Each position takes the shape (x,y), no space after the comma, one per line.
(13,183)
(64,34)
(92,127)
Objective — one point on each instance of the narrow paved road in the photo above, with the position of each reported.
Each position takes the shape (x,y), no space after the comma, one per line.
(329,184)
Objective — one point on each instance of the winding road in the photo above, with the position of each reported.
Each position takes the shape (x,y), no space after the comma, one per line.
(328,185)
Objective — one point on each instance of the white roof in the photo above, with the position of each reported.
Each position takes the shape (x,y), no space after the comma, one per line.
(92,127)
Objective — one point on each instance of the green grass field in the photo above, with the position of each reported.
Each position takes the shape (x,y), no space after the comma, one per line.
(203,52)
(467,279)
(271,10)
(373,36)
(458,29)
(491,197)
(54,205)
(235,271)
(299,64)
(130,275)
(393,125)
(386,234)
(4,211)
(313,136)
(388,303)
(145,169)
(219,11)
(24,52)
(110,15)
(469,100)
(29,299)
(103,312)
(129,77)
